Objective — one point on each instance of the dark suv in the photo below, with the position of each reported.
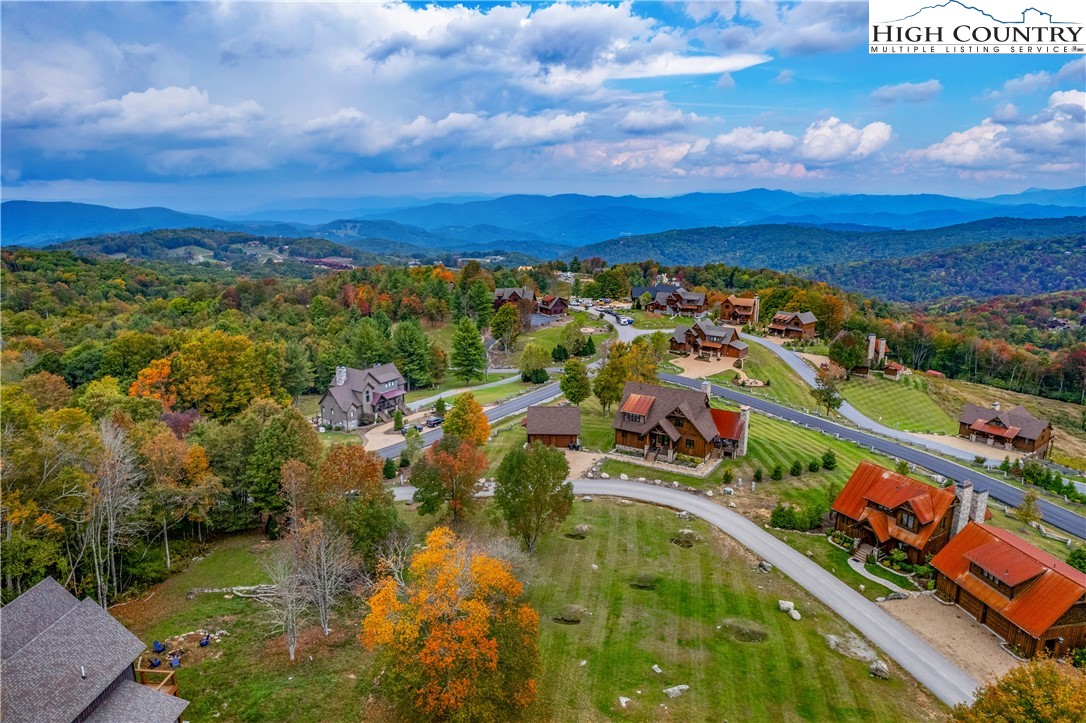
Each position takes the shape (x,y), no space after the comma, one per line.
(434,422)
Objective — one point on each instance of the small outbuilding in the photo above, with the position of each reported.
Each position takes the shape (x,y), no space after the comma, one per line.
(557,426)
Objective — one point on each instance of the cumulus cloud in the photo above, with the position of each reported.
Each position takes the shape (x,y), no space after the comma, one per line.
(832,140)
(659,119)
(182,112)
(1073,71)
(907,92)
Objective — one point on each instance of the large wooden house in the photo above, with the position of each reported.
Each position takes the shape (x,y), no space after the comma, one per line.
(1029,598)
(663,422)
(707,339)
(513,295)
(361,396)
(557,426)
(886,511)
(638,291)
(740,310)
(794,325)
(62,659)
(552,305)
(680,301)
(1014,428)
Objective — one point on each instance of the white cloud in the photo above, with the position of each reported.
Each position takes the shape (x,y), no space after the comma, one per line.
(784,77)
(832,140)
(907,92)
(181,112)
(755,140)
(658,119)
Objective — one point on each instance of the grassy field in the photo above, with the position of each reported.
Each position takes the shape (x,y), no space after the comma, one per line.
(449,384)
(904,404)
(492,395)
(784,384)
(899,580)
(652,320)
(597,434)
(330,438)
(509,433)
(308,404)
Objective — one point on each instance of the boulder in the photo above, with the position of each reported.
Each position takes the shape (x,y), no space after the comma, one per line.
(731,504)
(708,493)
(880,599)
(623,700)
(604,475)
(675,691)
(595,567)
(898,596)
(862,587)
(640,479)
(584,663)
(684,515)
(675,485)
(586,498)
(765,566)
(810,554)
(729,491)
(794,614)
(786,605)
(624,476)
(880,669)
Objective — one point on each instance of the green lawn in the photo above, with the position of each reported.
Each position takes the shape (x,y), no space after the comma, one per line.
(597,434)
(651,320)
(509,433)
(492,395)
(330,438)
(832,558)
(784,385)
(904,404)
(899,580)
(449,384)
(308,404)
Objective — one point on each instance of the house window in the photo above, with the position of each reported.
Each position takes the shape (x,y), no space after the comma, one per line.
(367,396)
(352,414)
(689,444)
(907,519)
(677,422)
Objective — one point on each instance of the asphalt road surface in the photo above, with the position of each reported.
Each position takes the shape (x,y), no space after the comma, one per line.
(940,676)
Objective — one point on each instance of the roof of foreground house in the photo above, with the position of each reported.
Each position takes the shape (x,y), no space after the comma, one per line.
(654,403)
(804,317)
(350,392)
(1000,423)
(553,420)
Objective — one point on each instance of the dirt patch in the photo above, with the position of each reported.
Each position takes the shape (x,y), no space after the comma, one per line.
(681,542)
(645,581)
(571,615)
(579,462)
(743,631)
(574,536)
(852,645)
(728,547)
(311,642)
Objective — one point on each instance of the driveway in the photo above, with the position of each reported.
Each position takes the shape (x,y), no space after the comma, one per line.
(945,680)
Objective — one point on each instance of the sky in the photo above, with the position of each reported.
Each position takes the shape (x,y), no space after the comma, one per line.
(217,107)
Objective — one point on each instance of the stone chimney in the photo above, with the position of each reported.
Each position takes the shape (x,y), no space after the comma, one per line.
(979,506)
(341,376)
(871,354)
(995,406)
(707,389)
(744,423)
(964,492)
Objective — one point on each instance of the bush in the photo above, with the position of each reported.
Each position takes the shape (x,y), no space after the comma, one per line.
(536,376)
(440,407)
(872,558)
(758,475)
(783,517)
(797,469)
(389,470)
(397,420)
(404,461)
(728,476)
(829,460)
(778,473)
(814,465)
(559,353)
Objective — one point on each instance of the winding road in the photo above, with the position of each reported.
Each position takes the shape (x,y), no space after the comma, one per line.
(940,676)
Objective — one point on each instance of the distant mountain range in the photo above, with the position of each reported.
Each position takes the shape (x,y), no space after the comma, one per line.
(543,225)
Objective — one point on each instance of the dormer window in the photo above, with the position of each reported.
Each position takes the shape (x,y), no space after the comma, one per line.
(634,417)
(907,519)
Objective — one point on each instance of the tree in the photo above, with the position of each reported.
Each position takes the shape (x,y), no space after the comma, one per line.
(532,492)
(467,421)
(297,369)
(644,300)
(1077,558)
(287,608)
(559,353)
(572,337)
(397,420)
(325,563)
(412,353)
(777,473)
(440,407)
(611,379)
(458,641)
(468,352)
(1041,691)
(48,390)
(902,467)
(826,391)
(295,480)
(449,474)
(575,383)
(412,445)
(480,304)
(505,326)
(1029,511)
(850,351)
(389,470)
(797,469)
(349,468)
(641,362)
(814,465)
(533,363)
(588,348)
(154,381)
(829,460)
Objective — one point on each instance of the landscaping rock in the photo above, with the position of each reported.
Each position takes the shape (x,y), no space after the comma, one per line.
(794,614)
(623,700)
(731,504)
(729,491)
(586,498)
(880,669)
(880,599)
(675,485)
(640,479)
(624,476)
(898,596)
(675,691)
(810,554)
(708,493)
(765,566)
(863,587)
(582,529)
(584,663)
(786,605)
(684,515)
(595,567)
(656,668)
(604,475)
(625,503)
(853,646)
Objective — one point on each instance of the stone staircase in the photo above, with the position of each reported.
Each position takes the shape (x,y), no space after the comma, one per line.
(862,551)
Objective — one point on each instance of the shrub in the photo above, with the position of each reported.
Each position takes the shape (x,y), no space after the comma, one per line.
(758,475)
(783,517)
(797,469)
(397,420)
(829,460)
(559,353)
(728,476)
(778,473)
(405,461)
(389,470)
(872,558)
(440,407)
(814,465)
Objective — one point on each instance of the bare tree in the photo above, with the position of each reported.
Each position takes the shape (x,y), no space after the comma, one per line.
(394,555)
(326,564)
(288,607)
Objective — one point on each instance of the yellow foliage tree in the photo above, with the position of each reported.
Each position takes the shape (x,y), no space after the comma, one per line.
(467,421)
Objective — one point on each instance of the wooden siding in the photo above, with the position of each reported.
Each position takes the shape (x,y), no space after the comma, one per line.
(562,441)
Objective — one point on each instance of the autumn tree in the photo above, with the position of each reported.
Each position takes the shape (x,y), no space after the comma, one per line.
(48,390)
(154,381)
(458,640)
(505,326)
(1029,511)
(575,383)
(641,362)
(449,475)
(348,468)
(573,339)
(467,421)
(1041,691)
(612,377)
(849,351)
(532,492)
(295,479)
(468,352)
(827,391)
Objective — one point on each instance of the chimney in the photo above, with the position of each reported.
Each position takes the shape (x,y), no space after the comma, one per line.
(979,507)
(341,376)
(707,389)
(871,338)
(964,492)
(744,423)
(995,406)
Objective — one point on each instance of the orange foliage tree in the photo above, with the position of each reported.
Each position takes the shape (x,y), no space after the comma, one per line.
(347,468)
(1041,690)
(449,474)
(459,640)
(154,381)
(467,421)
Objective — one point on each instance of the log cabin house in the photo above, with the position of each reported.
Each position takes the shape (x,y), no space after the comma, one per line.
(62,659)
(680,301)
(513,295)
(637,292)
(1014,428)
(794,325)
(739,310)
(552,305)
(663,422)
(557,426)
(1029,598)
(361,396)
(707,339)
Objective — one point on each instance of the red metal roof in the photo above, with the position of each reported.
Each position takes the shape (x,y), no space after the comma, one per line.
(873,484)
(994,430)
(638,404)
(1008,563)
(728,424)
(1038,603)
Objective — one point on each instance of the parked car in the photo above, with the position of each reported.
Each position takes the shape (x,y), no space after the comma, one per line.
(434,422)
(408,427)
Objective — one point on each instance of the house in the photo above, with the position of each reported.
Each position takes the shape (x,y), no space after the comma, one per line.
(552,305)
(513,295)
(739,310)
(664,422)
(793,324)
(886,511)
(1015,428)
(361,396)
(66,660)
(894,371)
(708,339)
(1029,598)
(638,291)
(557,426)
(935,373)
(680,301)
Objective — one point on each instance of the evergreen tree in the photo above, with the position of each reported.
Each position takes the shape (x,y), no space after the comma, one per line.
(413,356)
(480,304)
(588,348)
(439,407)
(505,326)
(575,383)
(389,469)
(468,352)
(559,353)
(297,369)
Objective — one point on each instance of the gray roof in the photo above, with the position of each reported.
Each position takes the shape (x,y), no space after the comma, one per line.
(692,404)
(134,703)
(521,291)
(740,345)
(637,291)
(350,393)
(679,335)
(804,317)
(707,327)
(50,640)
(1029,426)
(553,420)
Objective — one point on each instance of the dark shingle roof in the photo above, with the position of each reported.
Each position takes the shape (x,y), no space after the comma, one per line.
(1029,427)
(350,392)
(134,703)
(553,420)
(804,317)
(51,640)
(692,404)
(637,291)
(523,292)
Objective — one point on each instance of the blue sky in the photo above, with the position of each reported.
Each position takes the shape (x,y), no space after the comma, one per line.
(230,107)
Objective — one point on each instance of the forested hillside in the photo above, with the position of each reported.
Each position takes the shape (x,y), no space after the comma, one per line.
(1024,267)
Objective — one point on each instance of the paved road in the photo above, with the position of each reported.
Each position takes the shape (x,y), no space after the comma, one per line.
(1053,515)
(945,680)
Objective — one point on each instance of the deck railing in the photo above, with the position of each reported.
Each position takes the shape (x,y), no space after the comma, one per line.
(163,680)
